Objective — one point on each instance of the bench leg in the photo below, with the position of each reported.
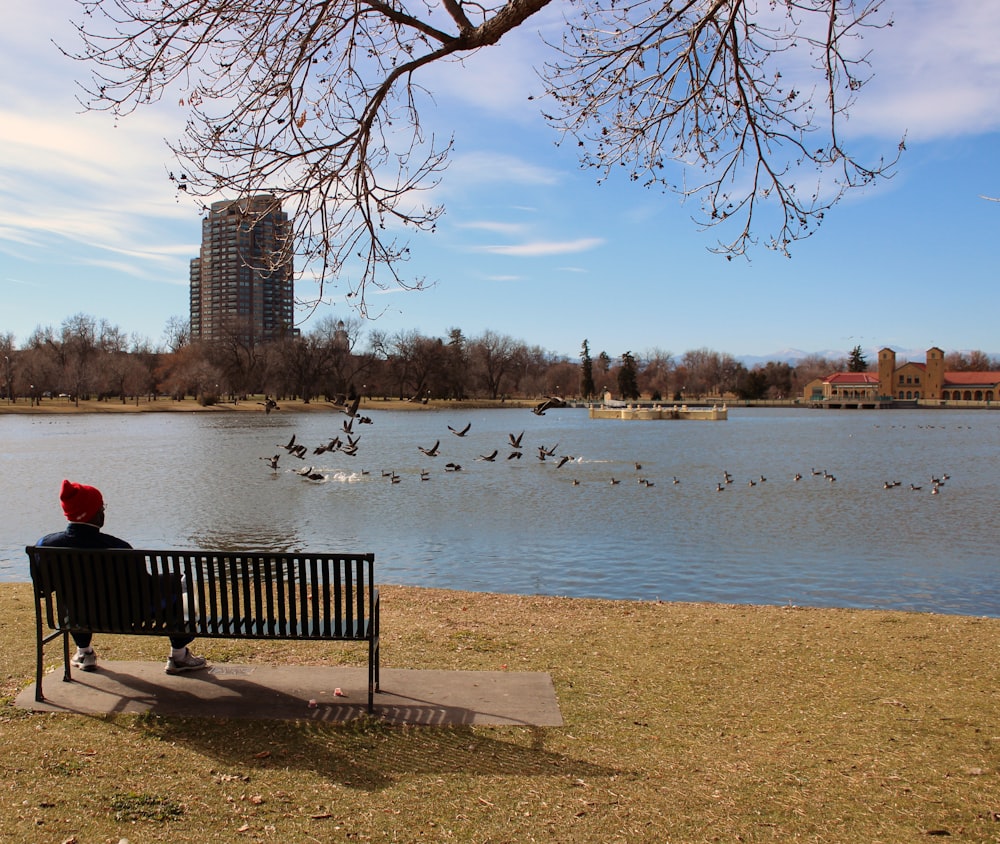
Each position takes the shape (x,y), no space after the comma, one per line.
(67,676)
(373,673)
(38,670)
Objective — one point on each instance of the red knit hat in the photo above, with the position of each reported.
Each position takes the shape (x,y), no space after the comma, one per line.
(80,502)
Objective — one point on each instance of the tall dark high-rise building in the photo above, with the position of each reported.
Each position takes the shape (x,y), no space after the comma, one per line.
(242,283)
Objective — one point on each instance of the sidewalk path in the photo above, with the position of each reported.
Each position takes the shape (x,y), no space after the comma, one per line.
(307,693)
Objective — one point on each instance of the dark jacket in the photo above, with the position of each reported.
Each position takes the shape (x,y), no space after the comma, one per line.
(81,535)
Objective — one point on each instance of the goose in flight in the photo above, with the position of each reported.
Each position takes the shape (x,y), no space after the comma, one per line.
(550,402)
(489,458)
(432,451)
(514,455)
(563,461)
(461,433)
(515,442)
(272,462)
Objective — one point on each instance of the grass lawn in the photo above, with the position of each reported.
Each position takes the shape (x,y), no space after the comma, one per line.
(683,723)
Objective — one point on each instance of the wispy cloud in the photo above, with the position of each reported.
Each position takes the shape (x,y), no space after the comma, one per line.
(932,78)
(493,226)
(486,167)
(545,247)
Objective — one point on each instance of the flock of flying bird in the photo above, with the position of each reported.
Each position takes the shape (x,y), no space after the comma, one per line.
(348,444)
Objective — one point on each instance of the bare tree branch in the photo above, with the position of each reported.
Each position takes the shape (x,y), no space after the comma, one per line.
(721,88)
(318,103)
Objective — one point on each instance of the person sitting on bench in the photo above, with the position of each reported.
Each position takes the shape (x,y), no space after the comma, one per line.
(84,508)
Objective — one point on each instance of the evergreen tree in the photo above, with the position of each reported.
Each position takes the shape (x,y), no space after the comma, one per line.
(857,362)
(586,372)
(628,378)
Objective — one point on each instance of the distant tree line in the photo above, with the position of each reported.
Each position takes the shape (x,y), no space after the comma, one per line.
(89,358)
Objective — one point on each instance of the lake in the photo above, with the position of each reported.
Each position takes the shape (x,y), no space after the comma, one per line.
(531,526)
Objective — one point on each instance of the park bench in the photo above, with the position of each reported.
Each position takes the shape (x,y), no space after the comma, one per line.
(208,594)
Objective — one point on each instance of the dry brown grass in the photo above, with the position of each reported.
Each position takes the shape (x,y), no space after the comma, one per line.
(683,723)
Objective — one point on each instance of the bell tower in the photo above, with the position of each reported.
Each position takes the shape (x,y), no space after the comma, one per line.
(886,370)
(935,373)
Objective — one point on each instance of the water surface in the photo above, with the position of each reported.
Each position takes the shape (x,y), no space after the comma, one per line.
(524,526)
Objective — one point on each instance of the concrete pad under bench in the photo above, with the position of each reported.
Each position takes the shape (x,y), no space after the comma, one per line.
(303,692)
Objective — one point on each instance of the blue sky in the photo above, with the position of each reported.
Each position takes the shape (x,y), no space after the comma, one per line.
(530,245)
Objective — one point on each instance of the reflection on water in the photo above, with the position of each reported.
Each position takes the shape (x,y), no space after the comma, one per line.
(255,536)
(525,525)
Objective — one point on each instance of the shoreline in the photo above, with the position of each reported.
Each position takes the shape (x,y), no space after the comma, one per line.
(60,406)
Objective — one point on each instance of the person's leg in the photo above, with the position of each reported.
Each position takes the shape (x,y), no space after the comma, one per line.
(181,659)
(82,638)
(85,659)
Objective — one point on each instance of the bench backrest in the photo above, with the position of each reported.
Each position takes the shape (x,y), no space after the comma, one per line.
(226,594)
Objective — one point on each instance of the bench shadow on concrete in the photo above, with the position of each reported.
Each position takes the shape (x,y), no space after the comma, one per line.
(304,693)
(255,717)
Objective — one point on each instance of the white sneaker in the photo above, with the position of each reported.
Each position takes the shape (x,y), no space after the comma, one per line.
(187,662)
(84,660)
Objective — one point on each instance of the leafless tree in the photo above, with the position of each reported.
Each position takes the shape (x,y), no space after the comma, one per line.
(494,356)
(319,103)
(975,361)
(8,359)
(656,369)
(177,333)
(810,368)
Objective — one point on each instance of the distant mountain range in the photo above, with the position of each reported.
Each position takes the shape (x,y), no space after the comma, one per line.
(793,356)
